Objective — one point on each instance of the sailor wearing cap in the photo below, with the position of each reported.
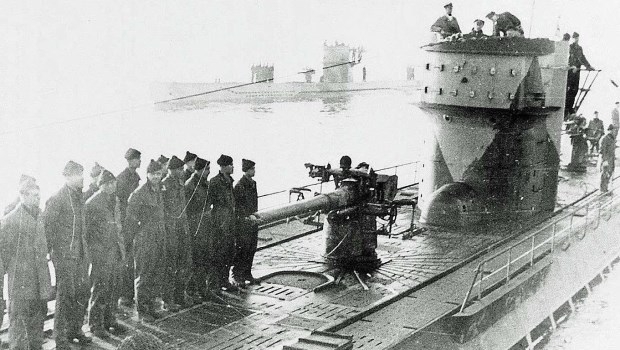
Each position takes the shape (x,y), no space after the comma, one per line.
(190,162)
(127,182)
(222,238)
(145,221)
(23,249)
(246,204)
(447,24)
(107,252)
(178,240)
(198,219)
(64,228)
(22,180)
(576,59)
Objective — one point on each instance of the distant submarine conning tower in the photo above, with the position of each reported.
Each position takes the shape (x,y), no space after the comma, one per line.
(262,73)
(335,59)
(496,110)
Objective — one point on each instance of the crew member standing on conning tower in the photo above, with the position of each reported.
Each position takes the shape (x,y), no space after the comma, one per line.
(447,24)
(575,60)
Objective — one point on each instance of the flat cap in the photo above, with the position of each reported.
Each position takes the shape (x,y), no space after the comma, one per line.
(105,177)
(26,178)
(575,35)
(153,167)
(448,5)
(189,156)
(163,159)
(175,163)
(132,154)
(96,170)
(247,164)
(224,160)
(72,168)
(490,15)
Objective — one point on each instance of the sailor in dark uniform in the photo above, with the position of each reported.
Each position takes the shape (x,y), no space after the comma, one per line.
(94,177)
(476,31)
(66,240)
(447,24)
(505,23)
(107,252)
(198,218)
(221,235)
(190,161)
(345,166)
(608,157)
(246,204)
(145,221)
(127,181)
(178,244)
(576,59)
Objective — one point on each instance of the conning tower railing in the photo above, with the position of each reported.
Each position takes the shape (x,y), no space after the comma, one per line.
(501,267)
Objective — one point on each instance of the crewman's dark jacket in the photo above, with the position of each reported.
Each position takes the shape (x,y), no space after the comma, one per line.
(220,195)
(608,150)
(23,248)
(449,26)
(103,228)
(246,197)
(576,57)
(64,224)
(126,182)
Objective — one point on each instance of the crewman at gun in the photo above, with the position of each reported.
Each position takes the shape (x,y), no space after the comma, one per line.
(145,221)
(65,231)
(246,204)
(190,162)
(608,157)
(198,219)
(127,182)
(505,23)
(596,130)
(95,171)
(576,59)
(345,167)
(107,252)
(447,24)
(23,249)
(222,238)
(178,244)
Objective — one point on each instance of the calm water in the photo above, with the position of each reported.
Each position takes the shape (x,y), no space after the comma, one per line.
(381,128)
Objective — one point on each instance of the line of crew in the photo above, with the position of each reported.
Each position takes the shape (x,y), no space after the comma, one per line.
(162,245)
(505,24)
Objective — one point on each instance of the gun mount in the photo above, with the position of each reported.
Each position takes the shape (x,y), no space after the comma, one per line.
(350,227)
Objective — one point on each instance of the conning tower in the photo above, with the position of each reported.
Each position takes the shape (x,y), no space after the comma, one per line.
(496,110)
(262,73)
(337,65)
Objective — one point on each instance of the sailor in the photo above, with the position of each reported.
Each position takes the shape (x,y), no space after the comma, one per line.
(608,157)
(576,59)
(596,130)
(126,182)
(23,248)
(198,218)
(65,233)
(190,162)
(246,204)
(615,116)
(94,176)
(345,166)
(505,23)
(222,239)
(145,221)
(363,166)
(163,160)
(476,31)
(178,245)
(22,180)
(580,145)
(107,253)
(447,24)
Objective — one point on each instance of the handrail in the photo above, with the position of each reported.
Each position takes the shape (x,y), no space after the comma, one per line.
(510,266)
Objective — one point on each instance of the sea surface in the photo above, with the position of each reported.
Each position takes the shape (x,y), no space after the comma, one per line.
(382,128)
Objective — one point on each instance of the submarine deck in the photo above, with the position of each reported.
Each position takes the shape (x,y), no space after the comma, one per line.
(420,280)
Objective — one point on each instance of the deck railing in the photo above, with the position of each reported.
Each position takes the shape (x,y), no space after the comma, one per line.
(499,268)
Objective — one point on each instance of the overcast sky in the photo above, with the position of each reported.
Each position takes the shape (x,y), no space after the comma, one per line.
(100,55)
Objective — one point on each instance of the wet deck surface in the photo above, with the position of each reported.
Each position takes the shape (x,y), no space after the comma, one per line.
(419,280)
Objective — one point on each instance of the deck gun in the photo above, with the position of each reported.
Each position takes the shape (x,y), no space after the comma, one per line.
(351,226)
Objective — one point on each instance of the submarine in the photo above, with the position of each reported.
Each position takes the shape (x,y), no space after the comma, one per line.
(489,250)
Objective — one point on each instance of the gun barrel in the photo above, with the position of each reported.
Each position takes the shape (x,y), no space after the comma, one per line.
(339,198)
